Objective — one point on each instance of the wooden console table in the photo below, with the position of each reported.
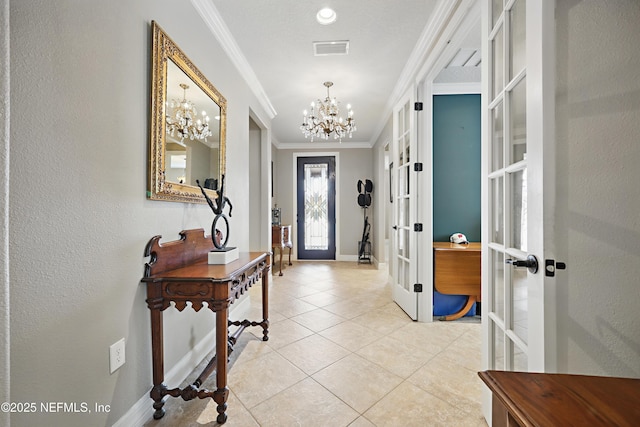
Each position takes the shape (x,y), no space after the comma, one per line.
(456,271)
(532,399)
(179,272)
(281,238)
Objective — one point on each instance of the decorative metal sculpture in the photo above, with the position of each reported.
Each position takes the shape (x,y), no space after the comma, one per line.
(217,207)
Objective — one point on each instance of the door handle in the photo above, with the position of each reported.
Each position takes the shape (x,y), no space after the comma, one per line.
(395,227)
(531,263)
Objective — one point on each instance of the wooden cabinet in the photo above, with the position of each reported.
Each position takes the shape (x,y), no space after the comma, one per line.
(456,271)
(281,238)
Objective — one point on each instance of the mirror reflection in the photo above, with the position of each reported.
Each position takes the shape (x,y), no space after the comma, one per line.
(188,127)
(192,132)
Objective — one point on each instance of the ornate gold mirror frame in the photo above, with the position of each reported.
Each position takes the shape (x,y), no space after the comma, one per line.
(172,71)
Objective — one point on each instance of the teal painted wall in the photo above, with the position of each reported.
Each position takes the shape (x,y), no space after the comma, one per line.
(456,166)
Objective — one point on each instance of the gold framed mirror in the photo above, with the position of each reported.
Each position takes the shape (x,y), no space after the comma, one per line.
(188,126)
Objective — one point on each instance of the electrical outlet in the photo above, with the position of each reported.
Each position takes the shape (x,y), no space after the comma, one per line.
(116,355)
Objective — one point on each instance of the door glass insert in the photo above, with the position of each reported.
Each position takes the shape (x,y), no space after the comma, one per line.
(518,51)
(497,212)
(497,46)
(498,283)
(519,210)
(497,140)
(520,302)
(518,122)
(316,196)
(498,346)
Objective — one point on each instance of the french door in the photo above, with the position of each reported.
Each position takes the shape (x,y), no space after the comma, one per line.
(316,207)
(403,188)
(518,177)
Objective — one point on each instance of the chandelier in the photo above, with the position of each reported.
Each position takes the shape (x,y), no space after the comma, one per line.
(323,120)
(183,119)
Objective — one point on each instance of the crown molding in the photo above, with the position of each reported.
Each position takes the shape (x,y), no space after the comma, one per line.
(218,27)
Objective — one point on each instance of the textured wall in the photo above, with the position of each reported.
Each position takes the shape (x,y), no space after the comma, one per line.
(79,218)
(598,196)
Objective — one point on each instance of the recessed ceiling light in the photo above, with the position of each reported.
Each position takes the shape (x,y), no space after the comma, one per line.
(326,16)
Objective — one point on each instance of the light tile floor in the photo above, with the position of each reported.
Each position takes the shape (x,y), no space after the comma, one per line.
(342,353)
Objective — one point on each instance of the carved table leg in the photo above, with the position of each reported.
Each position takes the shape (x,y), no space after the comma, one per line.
(222,337)
(158,391)
(281,254)
(290,255)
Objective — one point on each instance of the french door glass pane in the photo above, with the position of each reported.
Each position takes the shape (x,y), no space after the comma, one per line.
(518,121)
(497,258)
(519,301)
(497,141)
(520,360)
(519,210)
(518,51)
(316,213)
(497,211)
(498,347)
(498,63)
(496,10)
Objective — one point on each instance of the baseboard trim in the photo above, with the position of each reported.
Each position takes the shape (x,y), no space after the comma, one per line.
(142,410)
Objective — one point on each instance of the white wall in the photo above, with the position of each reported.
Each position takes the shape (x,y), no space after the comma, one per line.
(598,196)
(80,91)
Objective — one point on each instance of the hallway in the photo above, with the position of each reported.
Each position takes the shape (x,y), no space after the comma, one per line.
(341,353)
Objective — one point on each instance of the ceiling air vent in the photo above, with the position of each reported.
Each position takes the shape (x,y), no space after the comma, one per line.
(339,47)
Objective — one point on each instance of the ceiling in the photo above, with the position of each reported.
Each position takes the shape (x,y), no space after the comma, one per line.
(274,41)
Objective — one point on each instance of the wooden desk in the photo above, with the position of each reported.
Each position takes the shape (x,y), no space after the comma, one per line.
(281,238)
(456,271)
(532,399)
(179,271)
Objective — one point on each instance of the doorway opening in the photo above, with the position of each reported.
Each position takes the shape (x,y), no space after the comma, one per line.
(316,207)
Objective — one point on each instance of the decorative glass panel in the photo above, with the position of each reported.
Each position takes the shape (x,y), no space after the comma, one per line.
(316,197)
(518,51)
(520,294)
(518,121)
(519,210)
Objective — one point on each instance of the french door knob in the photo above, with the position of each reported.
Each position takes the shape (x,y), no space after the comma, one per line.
(531,263)
(395,227)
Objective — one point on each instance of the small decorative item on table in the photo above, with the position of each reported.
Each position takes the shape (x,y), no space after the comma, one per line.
(221,254)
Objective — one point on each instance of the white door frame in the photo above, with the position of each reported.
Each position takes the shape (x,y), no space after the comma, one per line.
(265,179)
(459,28)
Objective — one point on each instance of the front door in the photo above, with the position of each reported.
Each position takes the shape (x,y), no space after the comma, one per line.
(518,111)
(316,190)
(403,189)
